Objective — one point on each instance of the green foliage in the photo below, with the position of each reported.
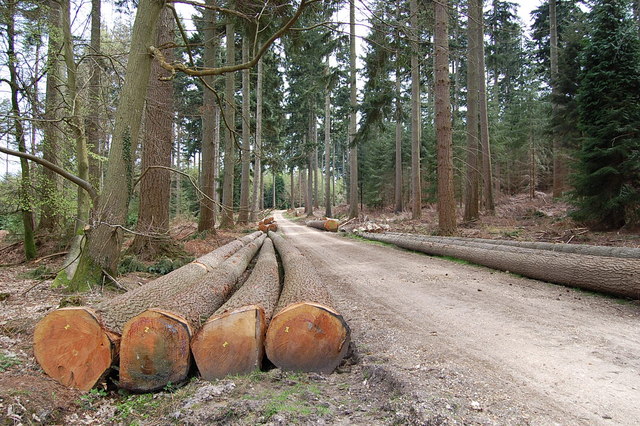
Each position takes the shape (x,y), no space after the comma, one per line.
(8,360)
(135,407)
(129,264)
(282,199)
(607,174)
(89,399)
(166,265)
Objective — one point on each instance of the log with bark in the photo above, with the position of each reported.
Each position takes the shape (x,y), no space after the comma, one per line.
(77,346)
(267,224)
(154,349)
(607,251)
(616,276)
(327,224)
(306,333)
(232,340)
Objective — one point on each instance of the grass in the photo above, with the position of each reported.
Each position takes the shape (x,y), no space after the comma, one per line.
(7,361)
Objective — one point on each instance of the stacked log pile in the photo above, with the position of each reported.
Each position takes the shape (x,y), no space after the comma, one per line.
(268,224)
(306,333)
(188,313)
(325,224)
(612,275)
(77,346)
(232,340)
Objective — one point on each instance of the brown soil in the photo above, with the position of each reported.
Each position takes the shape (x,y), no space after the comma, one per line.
(434,342)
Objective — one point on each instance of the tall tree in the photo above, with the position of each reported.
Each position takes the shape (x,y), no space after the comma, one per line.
(28,219)
(210,126)
(487,173)
(416,181)
(353,148)
(558,160)
(243,214)
(444,138)
(151,239)
(257,165)
(92,126)
(607,181)
(471,207)
(327,146)
(229,132)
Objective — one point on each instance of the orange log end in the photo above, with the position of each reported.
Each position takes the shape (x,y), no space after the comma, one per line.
(231,343)
(154,351)
(307,337)
(72,347)
(331,225)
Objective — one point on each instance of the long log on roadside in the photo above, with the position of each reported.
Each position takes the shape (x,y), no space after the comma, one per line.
(154,349)
(306,333)
(328,224)
(616,276)
(77,346)
(606,251)
(232,340)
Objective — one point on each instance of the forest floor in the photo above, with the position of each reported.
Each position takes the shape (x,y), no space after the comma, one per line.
(434,341)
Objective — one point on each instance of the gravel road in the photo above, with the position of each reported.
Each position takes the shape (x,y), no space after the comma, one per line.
(475,345)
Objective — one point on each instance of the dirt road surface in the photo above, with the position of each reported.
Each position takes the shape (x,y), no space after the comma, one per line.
(480,345)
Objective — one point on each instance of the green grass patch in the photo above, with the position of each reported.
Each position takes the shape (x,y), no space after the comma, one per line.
(7,361)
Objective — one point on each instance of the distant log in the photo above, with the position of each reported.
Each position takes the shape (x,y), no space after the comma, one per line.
(77,346)
(617,276)
(267,225)
(154,350)
(306,334)
(268,220)
(328,224)
(232,340)
(606,251)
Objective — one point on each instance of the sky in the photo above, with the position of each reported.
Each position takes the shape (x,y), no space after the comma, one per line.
(12,164)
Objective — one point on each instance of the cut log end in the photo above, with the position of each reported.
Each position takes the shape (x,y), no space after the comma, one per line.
(307,337)
(72,347)
(154,351)
(231,343)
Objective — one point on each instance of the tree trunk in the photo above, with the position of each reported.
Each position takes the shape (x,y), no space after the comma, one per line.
(28,220)
(232,340)
(618,277)
(446,196)
(210,130)
(327,149)
(471,208)
(306,334)
(243,214)
(50,220)
(104,241)
(154,350)
(309,186)
(152,239)
(257,168)
(353,100)
(229,134)
(558,160)
(328,224)
(82,354)
(92,122)
(398,153)
(487,174)
(416,182)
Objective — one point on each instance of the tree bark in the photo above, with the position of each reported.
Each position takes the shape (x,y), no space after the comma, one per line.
(257,168)
(305,334)
(327,148)
(92,122)
(471,207)
(416,181)
(104,241)
(152,239)
(243,214)
(487,173)
(618,277)
(152,353)
(558,166)
(210,130)
(444,137)
(229,134)
(353,100)
(398,154)
(80,355)
(50,220)
(232,340)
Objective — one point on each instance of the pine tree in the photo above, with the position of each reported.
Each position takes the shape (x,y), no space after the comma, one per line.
(607,179)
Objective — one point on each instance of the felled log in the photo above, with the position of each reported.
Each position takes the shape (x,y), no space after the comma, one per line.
(327,224)
(154,349)
(268,220)
(266,227)
(306,333)
(77,346)
(232,340)
(606,251)
(616,276)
